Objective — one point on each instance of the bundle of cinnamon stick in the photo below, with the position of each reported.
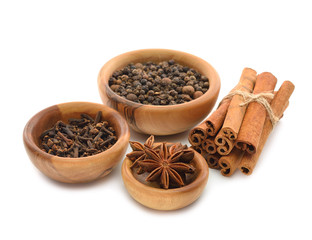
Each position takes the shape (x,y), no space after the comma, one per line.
(233,136)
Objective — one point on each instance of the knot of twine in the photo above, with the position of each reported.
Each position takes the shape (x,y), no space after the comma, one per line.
(259,98)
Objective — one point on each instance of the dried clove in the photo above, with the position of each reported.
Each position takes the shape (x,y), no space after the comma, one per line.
(79,138)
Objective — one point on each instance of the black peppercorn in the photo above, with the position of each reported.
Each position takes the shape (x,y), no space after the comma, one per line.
(150,99)
(189,90)
(190,83)
(160,71)
(173,93)
(171,61)
(175,79)
(136,83)
(150,93)
(198,89)
(136,92)
(181,82)
(165,64)
(132,97)
(179,89)
(149,84)
(111,81)
(187,78)
(203,78)
(153,67)
(163,102)
(185,69)
(138,65)
(189,73)
(192,78)
(197,94)
(141,98)
(176,73)
(124,77)
(145,88)
(156,102)
(115,87)
(143,81)
(156,89)
(164,83)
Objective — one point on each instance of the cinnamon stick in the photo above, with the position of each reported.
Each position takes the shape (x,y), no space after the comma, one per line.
(250,132)
(198,149)
(235,113)
(215,120)
(198,134)
(224,145)
(230,114)
(213,160)
(230,162)
(209,145)
(278,105)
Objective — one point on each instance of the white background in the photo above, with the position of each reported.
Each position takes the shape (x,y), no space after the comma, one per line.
(51,52)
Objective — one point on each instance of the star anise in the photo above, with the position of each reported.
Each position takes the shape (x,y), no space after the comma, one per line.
(138,154)
(176,148)
(168,166)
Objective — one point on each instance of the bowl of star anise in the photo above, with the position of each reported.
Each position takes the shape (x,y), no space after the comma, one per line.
(164,176)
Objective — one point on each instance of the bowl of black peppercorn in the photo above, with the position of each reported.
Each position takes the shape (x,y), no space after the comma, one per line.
(76,142)
(159,91)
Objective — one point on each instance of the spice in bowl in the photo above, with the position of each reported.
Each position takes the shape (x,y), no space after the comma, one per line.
(164,83)
(168,165)
(81,137)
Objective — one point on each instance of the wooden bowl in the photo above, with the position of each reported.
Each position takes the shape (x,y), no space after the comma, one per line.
(75,170)
(160,120)
(166,199)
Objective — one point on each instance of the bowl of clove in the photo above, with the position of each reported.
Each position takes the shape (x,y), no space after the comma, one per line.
(164,176)
(159,91)
(76,142)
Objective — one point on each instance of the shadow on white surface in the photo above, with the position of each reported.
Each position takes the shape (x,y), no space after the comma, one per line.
(105,180)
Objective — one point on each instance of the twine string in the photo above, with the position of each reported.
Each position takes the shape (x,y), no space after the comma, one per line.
(260,98)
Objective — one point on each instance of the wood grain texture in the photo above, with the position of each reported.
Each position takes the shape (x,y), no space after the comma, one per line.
(166,199)
(160,120)
(75,170)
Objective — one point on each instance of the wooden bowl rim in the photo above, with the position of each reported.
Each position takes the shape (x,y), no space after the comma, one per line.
(214,89)
(201,178)
(34,147)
